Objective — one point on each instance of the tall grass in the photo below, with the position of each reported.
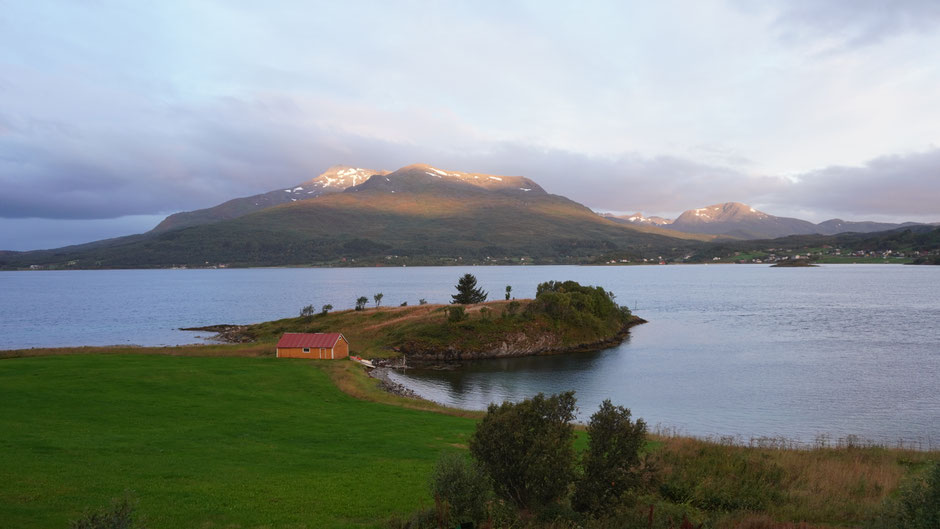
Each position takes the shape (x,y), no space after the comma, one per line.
(841,485)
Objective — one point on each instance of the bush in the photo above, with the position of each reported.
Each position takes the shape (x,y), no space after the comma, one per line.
(326,309)
(462,485)
(361,302)
(119,515)
(527,449)
(714,478)
(574,304)
(611,460)
(307,311)
(917,505)
(456,314)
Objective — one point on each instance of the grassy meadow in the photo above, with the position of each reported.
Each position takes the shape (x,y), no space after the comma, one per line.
(251,441)
(208,442)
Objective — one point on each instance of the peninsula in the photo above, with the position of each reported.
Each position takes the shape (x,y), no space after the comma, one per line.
(564,317)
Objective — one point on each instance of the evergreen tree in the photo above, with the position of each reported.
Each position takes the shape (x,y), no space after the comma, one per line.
(467,291)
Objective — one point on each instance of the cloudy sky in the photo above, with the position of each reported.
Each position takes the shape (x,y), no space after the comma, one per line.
(114,114)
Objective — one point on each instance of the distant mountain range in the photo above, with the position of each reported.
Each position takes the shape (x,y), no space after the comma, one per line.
(734,219)
(420,215)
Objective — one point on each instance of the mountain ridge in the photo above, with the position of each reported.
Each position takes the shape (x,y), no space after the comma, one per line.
(739,220)
(335,179)
(418,214)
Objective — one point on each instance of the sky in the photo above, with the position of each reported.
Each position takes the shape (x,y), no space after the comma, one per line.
(115,114)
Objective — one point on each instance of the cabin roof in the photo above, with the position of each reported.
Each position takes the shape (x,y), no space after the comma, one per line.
(306,339)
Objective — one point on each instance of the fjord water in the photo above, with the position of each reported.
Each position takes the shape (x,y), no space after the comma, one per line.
(742,350)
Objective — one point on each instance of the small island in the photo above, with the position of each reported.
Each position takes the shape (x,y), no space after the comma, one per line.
(795,263)
(563,317)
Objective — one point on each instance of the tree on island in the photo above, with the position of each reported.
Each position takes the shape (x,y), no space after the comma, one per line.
(467,291)
(361,302)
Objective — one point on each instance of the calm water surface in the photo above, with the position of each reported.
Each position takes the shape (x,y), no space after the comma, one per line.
(729,350)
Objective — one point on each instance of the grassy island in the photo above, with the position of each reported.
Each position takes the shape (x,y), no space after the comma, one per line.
(563,317)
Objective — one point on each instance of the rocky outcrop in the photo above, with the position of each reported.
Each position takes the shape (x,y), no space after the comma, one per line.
(510,345)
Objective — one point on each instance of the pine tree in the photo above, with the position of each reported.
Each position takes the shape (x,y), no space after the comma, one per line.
(467,291)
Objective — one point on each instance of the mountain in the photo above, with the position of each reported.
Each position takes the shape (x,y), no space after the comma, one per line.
(737,220)
(418,214)
(638,218)
(336,179)
(834,226)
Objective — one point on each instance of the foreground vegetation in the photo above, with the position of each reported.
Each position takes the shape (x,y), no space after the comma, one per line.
(261,442)
(524,471)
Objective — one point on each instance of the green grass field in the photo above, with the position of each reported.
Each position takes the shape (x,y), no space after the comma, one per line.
(258,442)
(208,442)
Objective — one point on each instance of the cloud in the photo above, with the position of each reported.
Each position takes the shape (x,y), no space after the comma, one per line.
(36,233)
(848,24)
(178,106)
(902,187)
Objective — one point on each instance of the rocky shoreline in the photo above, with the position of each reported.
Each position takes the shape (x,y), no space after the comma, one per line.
(386,383)
(514,345)
(224,333)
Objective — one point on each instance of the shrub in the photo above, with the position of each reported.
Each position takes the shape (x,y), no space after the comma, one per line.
(917,505)
(326,309)
(508,292)
(307,311)
(581,306)
(378,299)
(462,485)
(611,460)
(119,515)
(404,304)
(361,302)
(456,314)
(713,477)
(422,301)
(527,449)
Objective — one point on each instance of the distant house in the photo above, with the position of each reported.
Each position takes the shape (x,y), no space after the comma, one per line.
(320,346)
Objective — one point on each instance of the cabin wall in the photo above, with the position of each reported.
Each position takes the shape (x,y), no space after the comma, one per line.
(340,350)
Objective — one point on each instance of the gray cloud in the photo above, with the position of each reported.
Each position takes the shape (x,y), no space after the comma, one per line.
(239,147)
(901,187)
(855,23)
